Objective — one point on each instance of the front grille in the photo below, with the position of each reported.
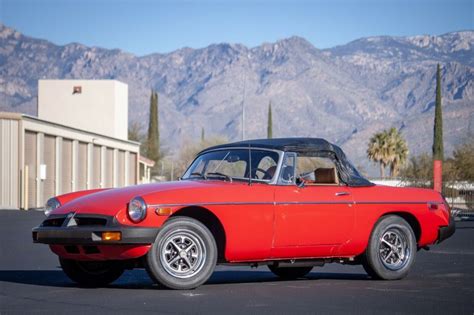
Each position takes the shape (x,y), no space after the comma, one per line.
(54,222)
(80,220)
(87,221)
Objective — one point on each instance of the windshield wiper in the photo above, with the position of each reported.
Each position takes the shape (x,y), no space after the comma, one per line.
(201,175)
(220,175)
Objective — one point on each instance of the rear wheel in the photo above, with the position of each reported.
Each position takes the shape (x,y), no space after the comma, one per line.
(92,273)
(183,255)
(289,273)
(391,250)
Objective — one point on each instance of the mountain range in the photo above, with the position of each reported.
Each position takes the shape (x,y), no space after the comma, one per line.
(344,94)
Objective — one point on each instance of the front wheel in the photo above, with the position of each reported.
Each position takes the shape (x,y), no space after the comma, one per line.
(391,250)
(290,273)
(92,273)
(183,255)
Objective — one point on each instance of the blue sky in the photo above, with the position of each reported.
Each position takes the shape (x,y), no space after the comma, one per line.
(145,26)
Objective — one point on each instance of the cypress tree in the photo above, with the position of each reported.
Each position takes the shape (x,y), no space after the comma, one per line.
(157,127)
(438,151)
(270,122)
(153,140)
(202,134)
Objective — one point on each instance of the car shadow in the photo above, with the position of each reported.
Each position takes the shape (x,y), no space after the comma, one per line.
(138,279)
(242,276)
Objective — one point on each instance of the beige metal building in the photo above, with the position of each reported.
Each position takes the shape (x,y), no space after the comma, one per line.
(40,159)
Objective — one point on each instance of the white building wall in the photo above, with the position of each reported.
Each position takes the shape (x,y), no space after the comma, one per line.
(9,170)
(101,106)
(121,110)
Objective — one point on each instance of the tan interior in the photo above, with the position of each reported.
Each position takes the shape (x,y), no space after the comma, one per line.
(325,176)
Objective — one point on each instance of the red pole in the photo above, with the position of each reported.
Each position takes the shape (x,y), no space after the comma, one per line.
(437,175)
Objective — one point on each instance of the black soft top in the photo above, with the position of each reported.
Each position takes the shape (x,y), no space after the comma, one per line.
(316,146)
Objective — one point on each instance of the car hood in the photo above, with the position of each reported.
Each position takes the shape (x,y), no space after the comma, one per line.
(109,202)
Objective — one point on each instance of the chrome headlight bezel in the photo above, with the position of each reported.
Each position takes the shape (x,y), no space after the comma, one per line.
(137,209)
(51,204)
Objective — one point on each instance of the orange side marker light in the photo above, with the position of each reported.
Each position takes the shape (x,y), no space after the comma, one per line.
(111,236)
(163,211)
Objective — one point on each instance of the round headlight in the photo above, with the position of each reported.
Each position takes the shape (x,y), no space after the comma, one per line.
(137,209)
(50,205)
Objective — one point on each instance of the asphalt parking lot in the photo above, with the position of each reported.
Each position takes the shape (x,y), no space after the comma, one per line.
(442,282)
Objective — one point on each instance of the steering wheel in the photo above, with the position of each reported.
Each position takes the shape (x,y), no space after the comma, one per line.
(265,173)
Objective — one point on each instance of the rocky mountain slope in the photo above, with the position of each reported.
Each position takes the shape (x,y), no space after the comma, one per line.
(344,94)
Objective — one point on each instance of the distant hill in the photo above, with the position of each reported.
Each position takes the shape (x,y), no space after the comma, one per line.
(344,94)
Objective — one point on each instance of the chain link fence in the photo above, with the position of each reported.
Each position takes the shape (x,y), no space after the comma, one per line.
(460,197)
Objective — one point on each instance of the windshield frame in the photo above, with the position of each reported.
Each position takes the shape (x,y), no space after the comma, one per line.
(273,181)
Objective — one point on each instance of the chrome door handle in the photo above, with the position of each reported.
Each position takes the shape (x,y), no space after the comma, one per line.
(342,193)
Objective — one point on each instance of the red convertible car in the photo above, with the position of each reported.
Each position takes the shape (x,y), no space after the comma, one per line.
(290,204)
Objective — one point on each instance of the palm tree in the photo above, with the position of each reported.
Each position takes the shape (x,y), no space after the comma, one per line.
(388,148)
(378,149)
(397,152)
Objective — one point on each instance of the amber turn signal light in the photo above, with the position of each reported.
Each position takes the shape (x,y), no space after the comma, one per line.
(163,211)
(111,236)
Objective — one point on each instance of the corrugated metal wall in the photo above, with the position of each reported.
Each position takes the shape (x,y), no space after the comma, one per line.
(82,167)
(121,169)
(108,180)
(95,180)
(31,163)
(132,169)
(9,174)
(49,184)
(66,166)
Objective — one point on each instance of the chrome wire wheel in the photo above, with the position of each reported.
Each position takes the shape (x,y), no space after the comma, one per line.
(183,254)
(394,249)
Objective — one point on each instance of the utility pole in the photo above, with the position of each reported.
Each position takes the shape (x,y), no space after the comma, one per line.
(243,108)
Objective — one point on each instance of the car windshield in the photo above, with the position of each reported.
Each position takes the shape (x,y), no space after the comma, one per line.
(234,164)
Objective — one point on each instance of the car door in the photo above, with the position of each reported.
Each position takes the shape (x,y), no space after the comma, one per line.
(312,220)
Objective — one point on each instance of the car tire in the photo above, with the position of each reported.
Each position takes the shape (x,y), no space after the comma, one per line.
(92,273)
(183,255)
(391,250)
(290,273)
